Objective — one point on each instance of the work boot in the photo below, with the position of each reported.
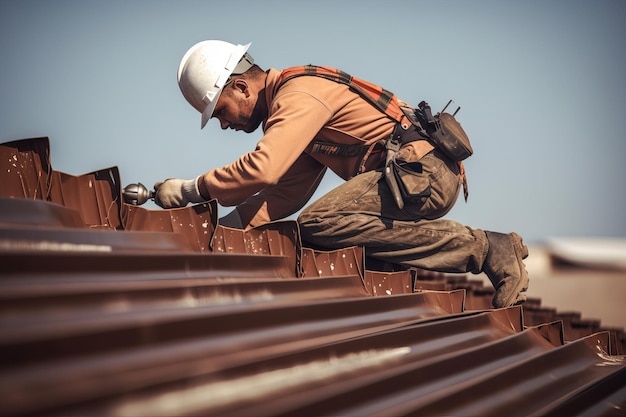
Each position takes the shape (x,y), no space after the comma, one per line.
(505,269)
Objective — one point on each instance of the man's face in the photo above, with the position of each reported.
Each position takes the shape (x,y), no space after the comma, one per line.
(235,108)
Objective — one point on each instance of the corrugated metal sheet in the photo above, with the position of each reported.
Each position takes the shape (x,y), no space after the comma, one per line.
(110,309)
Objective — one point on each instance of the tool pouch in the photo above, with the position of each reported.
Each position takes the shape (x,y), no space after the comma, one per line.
(444,131)
(413,184)
(407,182)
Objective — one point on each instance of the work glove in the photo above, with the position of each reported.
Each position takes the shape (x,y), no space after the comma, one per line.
(175,192)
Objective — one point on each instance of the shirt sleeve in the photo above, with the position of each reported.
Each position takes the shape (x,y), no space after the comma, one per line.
(288,196)
(295,119)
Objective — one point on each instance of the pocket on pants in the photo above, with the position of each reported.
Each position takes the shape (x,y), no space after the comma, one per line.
(413,183)
(440,185)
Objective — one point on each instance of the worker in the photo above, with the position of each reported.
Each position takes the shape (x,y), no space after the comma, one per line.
(312,123)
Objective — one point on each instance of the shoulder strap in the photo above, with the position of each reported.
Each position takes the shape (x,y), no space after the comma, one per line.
(383,100)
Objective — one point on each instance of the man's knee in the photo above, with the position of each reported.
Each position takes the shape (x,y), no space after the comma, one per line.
(305,217)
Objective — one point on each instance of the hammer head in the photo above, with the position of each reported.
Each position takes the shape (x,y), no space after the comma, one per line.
(137,194)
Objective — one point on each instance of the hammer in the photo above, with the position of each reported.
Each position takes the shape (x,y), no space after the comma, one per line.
(137,194)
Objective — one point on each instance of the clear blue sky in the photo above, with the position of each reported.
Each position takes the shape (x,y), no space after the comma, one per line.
(540,84)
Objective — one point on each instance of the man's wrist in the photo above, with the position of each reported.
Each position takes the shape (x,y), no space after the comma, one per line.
(203,189)
(191,192)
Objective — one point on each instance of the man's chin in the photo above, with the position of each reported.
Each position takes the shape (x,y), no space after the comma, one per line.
(250,129)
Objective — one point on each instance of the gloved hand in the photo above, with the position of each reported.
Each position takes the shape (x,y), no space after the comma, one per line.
(175,192)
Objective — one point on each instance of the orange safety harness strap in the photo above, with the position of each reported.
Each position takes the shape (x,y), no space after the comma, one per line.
(382,99)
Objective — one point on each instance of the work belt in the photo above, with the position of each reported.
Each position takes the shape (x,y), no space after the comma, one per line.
(351,150)
(402,134)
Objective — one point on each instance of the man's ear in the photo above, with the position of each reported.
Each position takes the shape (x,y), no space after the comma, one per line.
(241,85)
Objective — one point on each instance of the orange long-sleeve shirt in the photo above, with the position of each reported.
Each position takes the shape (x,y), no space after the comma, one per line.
(280,175)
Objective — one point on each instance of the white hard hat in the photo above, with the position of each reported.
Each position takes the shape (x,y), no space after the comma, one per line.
(206,68)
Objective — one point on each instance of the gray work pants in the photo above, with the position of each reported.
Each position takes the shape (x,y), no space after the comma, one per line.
(362,212)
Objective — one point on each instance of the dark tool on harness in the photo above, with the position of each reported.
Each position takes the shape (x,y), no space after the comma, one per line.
(446,106)
(137,194)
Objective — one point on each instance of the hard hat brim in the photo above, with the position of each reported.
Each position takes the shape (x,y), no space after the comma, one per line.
(208,110)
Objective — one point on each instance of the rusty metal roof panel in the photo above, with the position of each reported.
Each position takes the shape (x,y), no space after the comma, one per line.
(22,213)
(505,377)
(62,285)
(26,168)
(111,309)
(34,225)
(344,315)
(196,225)
(206,339)
(96,196)
(309,378)
(317,263)
(27,173)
